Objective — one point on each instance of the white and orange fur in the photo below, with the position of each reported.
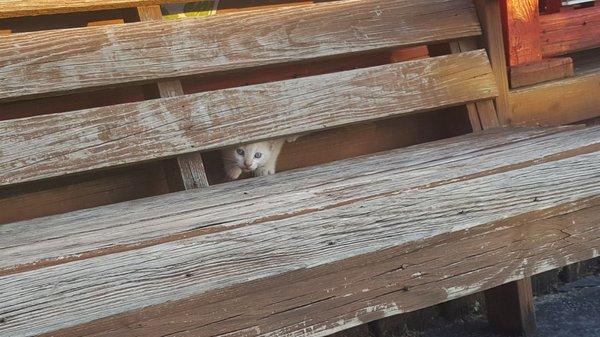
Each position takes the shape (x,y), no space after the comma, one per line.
(259,158)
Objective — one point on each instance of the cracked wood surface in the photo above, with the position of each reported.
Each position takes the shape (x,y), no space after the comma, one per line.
(333,297)
(129,225)
(324,215)
(55,145)
(37,63)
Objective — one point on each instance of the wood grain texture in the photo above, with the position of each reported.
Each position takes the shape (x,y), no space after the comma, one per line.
(126,226)
(482,114)
(522,31)
(305,238)
(490,15)
(333,297)
(48,146)
(64,60)
(510,308)
(570,31)
(542,71)
(184,171)
(556,103)
(11,8)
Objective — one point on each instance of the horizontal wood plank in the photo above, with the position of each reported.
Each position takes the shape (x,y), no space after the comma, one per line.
(12,8)
(570,31)
(556,103)
(64,60)
(541,71)
(326,299)
(129,225)
(54,145)
(398,208)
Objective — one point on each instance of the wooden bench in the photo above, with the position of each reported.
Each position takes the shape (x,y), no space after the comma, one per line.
(305,252)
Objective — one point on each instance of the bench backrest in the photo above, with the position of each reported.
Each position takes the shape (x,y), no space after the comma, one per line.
(62,61)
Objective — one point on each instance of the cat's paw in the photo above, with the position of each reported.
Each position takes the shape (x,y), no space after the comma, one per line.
(292,139)
(263,171)
(234,173)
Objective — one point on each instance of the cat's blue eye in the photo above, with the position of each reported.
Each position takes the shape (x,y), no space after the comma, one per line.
(257,155)
(240,152)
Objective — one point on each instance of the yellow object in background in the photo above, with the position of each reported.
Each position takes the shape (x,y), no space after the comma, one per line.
(200,8)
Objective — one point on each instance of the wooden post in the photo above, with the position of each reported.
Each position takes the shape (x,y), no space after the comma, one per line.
(523,40)
(510,308)
(522,27)
(490,17)
(481,114)
(185,171)
(552,6)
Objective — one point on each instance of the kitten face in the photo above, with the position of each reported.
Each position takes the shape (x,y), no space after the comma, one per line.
(249,157)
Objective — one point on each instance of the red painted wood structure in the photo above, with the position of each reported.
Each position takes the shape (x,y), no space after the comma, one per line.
(539,34)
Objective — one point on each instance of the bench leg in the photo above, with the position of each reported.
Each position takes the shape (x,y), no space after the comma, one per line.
(510,308)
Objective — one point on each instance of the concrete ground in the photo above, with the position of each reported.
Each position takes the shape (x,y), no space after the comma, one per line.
(572,312)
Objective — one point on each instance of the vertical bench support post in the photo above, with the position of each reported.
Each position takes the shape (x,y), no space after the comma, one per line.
(185,171)
(510,308)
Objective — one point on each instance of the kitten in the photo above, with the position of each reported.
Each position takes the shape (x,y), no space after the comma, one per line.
(259,158)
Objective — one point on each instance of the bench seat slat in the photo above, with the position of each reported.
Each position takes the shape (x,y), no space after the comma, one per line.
(129,224)
(54,145)
(12,8)
(399,197)
(64,60)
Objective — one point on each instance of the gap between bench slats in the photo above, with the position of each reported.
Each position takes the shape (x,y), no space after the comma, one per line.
(113,284)
(58,61)
(340,295)
(54,145)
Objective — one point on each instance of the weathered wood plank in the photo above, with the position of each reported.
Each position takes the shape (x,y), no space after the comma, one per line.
(11,8)
(64,60)
(570,31)
(481,114)
(62,195)
(322,300)
(187,171)
(542,71)
(556,103)
(309,238)
(522,31)
(129,225)
(48,146)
